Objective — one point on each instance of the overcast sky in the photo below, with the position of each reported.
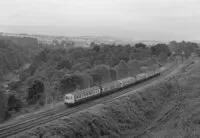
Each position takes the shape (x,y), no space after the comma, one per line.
(136,19)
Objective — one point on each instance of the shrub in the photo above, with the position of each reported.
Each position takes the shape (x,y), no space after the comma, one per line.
(122,70)
(81,66)
(113,74)
(3,106)
(67,84)
(13,103)
(134,67)
(102,71)
(35,92)
(64,64)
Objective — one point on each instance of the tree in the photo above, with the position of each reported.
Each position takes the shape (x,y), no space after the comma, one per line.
(23,75)
(112,61)
(96,78)
(82,80)
(157,49)
(3,106)
(134,67)
(81,66)
(42,56)
(64,64)
(14,103)
(97,48)
(140,45)
(162,57)
(35,92)
(93,44)
(122,69)
(123,56)
(113,74)
(102,71)
(198,52)
(67,84)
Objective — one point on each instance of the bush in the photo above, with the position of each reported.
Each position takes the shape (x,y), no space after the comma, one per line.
(122,70)
(67,84)
(134,67)
(35,92)
(64,64)
(13,103)
(81,66)
(97,80)
(113,74)
(157,49)
(140,45)
(102,71)
(162,57)
(82,80)
(3,106)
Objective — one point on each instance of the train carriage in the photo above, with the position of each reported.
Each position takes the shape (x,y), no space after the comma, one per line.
(162,69)
(111,86)
(157,71)
(128,81)
(150,74)
(89,93)
(140,77)
(81,95)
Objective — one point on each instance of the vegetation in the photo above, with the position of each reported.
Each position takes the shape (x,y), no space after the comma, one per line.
(15,52)
(186,47)
(14,103)
(35,92)
(3,106)
(132,113)
(55,71)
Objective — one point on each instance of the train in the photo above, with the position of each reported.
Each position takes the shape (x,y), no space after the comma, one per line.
(80,96)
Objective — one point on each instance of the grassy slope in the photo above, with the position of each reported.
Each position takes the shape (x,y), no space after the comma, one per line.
(185,122)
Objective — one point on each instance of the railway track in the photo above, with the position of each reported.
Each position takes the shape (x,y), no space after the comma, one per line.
(51,115)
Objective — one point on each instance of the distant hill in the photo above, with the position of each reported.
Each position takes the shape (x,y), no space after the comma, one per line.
(85,41)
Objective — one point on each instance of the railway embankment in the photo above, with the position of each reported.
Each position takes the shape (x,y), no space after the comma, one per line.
(130,115)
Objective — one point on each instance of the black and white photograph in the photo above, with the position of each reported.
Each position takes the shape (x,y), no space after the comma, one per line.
(99,69)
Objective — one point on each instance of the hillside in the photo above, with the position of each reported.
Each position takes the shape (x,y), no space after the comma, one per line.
(185,121)
(127,116)
(15,52)
(55,71)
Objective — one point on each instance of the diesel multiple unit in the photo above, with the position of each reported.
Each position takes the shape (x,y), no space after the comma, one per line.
(96,91)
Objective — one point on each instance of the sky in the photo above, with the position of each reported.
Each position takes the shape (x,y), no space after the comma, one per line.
(134,19)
